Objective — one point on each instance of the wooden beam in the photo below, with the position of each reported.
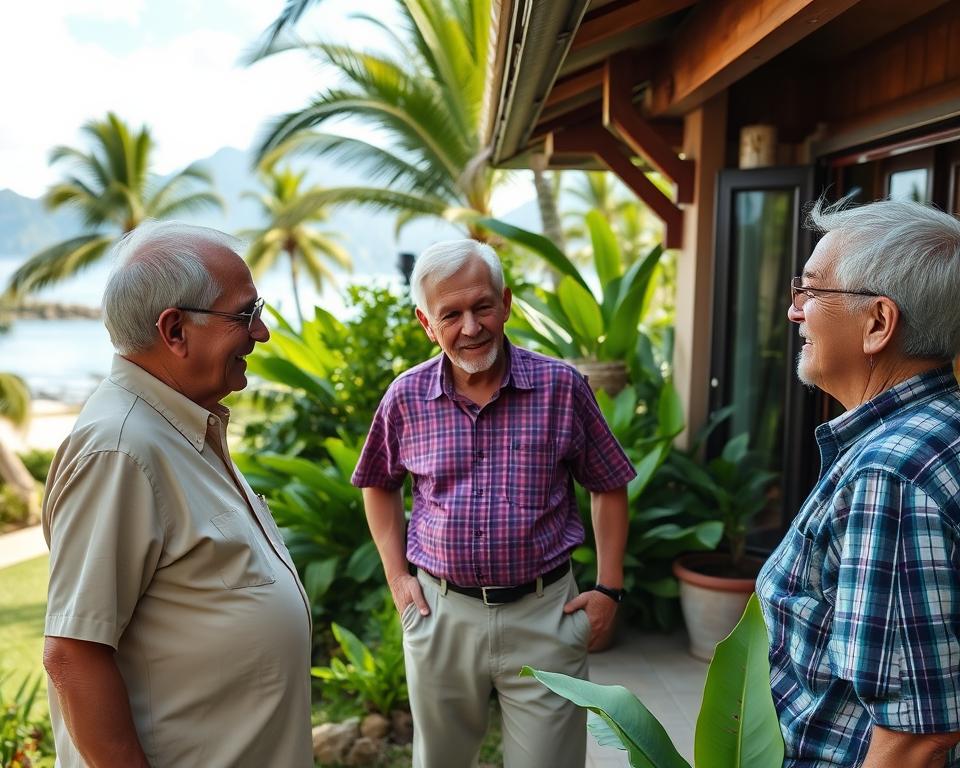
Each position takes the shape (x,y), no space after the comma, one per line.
(723,40)
(620,17)
(620,115)
(596,140)
(574,85)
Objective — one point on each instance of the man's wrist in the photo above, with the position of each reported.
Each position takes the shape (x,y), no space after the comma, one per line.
(614,594)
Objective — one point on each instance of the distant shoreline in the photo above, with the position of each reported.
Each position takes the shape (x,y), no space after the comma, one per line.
(49,310)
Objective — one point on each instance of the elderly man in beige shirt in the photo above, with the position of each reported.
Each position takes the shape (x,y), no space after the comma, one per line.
(178,632)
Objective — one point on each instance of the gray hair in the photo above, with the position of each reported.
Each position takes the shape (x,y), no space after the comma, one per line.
(156,266)
(443,259)
(908,252)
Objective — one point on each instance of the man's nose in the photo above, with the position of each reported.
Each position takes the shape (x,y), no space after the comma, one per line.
(794,315)
(470,326)
(259,331)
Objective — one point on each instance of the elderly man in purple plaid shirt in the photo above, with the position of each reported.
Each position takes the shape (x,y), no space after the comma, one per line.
(862,598)
(493,437)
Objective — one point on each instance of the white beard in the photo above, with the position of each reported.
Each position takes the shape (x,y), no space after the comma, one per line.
(473,366)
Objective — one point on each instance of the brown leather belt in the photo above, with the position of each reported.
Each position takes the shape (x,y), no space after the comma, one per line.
(501,595)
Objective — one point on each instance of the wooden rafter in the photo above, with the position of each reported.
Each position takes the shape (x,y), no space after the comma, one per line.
(723,40)
(620,17)
(574,85)
(594,139)
(621,116)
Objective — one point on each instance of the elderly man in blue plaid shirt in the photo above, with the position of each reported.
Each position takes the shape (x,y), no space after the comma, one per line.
(862,598)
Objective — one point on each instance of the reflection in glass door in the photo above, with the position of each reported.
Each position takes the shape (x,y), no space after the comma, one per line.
(760,246)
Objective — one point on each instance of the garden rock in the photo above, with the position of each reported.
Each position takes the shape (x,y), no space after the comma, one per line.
(332,740)
(402,724)
(364,751)
(375,727)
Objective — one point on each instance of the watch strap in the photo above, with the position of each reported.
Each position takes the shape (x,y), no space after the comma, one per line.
(614,594)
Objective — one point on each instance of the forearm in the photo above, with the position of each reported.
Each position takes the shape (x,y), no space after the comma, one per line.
(908,750)
(610,522)
(94,702)
(384,510)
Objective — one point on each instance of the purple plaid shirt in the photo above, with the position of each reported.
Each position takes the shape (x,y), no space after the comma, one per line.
(493,496)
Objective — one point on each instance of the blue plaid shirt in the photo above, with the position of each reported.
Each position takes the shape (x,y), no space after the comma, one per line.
(862,597)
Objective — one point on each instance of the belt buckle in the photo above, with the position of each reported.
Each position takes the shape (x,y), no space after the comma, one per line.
(483,591)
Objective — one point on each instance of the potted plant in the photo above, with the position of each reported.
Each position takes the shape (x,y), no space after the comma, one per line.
(737,726)
(596,335)
(732,489)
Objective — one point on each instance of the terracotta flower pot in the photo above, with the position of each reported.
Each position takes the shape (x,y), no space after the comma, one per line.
(712,603)
(611,377)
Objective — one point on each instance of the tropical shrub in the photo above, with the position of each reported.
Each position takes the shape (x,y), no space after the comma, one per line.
(26,738)
(14,509)
(571,322)
(374,678)
(737,726)
(37,461)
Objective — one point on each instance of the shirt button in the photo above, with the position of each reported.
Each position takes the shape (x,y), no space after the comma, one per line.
(478,533)
(479,491)
(479,454)
(212,420)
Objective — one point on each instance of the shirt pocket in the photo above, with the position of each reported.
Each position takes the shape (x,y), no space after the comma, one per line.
(533,464)
(241,559)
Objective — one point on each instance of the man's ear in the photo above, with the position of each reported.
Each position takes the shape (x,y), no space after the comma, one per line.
(881,323)
(507,301)
(425,323)
(171,330)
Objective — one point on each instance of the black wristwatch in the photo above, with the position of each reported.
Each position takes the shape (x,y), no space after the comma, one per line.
(616,595)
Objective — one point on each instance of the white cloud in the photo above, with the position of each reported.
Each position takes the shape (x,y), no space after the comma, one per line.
(188,87)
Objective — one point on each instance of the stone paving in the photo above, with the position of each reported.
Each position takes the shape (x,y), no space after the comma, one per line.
(24,544)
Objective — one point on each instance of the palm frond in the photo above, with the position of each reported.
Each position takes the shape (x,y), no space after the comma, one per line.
(14,399)
(57,262)
(370,197)
(195,201)
(284,23)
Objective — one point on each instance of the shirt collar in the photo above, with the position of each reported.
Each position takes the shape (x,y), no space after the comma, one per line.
(516,375)
(840,433)
(184,415)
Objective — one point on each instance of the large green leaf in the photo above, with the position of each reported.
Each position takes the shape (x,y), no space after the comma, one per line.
(640,733)
(284,372)
(668,540)
(606,252)
(363,562)
(670,420)
(539,245)
(582,311)
(738,725)
(318,576)
(623,328)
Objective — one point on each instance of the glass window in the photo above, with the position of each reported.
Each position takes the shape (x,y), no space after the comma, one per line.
(909,185)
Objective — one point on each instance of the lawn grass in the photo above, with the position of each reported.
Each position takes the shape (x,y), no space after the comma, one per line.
(23,603)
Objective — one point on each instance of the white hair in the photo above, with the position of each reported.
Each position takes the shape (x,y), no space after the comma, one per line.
(158,265)
(908,252)
(443,259)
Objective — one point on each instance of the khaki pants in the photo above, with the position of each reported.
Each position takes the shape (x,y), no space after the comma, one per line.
(464,650)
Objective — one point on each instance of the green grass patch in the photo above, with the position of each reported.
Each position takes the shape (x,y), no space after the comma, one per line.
(23,605)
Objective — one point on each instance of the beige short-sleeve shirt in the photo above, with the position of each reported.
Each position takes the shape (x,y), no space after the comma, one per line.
(160,551)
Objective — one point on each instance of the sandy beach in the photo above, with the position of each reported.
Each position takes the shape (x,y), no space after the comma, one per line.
(50,422)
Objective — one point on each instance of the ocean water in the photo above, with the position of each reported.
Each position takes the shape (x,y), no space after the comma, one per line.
(66,359)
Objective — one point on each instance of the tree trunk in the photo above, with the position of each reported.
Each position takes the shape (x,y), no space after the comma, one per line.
(293,279)
(15,474)
(547,202)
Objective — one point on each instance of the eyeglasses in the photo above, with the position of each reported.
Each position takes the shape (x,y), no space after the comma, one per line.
(249,317)
(799,293)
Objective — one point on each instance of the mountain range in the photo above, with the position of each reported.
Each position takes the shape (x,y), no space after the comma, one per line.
(26,226)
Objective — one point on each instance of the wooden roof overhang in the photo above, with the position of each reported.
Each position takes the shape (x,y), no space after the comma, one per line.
(605,83)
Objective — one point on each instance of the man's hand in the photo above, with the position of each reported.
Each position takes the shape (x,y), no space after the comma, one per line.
(405,590)
(601,611)
(908,750)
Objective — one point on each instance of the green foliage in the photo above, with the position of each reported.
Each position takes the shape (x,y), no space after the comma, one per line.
(37,461)
(302,446)
(730,489)
(423,98)
(737,726)
(572,322)
(26,738)
(14,399)
(13,507)
(374,677)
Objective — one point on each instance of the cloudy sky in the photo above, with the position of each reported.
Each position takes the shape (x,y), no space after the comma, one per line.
(172,64)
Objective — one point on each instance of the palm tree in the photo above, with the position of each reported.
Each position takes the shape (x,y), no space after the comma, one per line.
(425,97)
(113,189)
(288,231)
(15,407)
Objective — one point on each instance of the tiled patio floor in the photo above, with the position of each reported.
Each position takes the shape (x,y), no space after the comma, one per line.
(667,679)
